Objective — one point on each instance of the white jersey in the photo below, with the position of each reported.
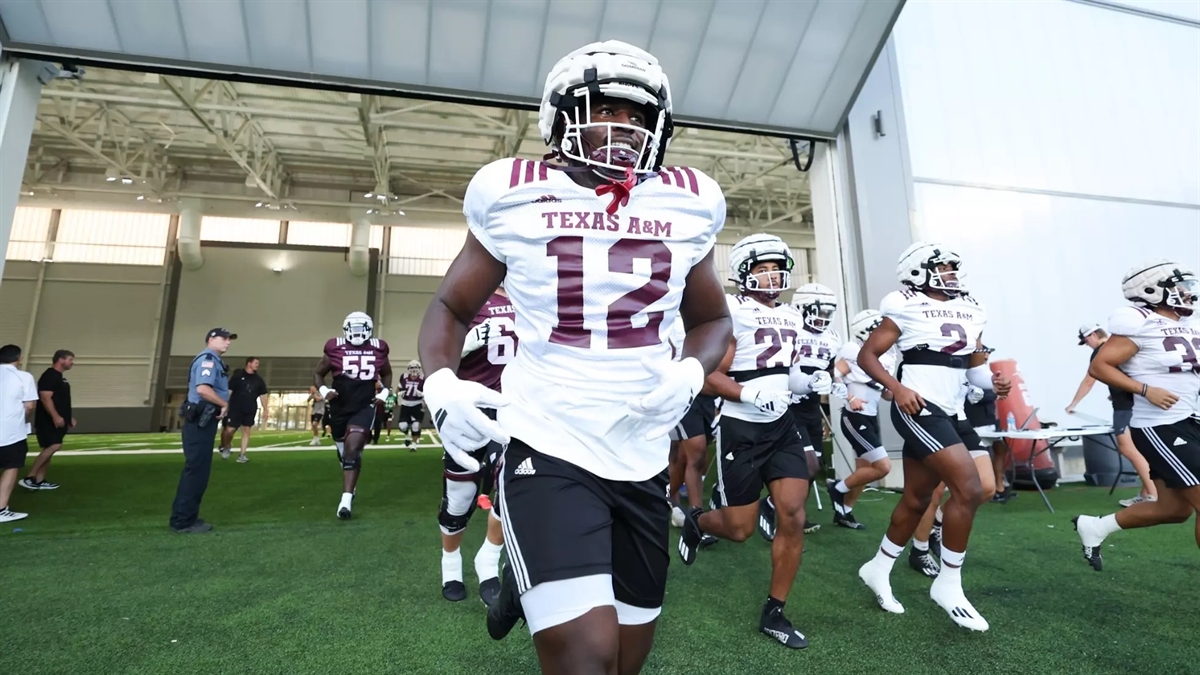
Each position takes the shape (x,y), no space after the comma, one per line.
(1166,358)
(594,293)
(859,384)
(676,340)
(952,327)
(765,347)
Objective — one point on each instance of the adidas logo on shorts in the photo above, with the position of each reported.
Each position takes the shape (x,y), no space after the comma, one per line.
(525,468)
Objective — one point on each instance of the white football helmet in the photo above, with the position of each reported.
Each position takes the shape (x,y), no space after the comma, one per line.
(1164,282)
(918,268)
(615,69)
(357,327)
(816,304)
(414,367)
(864,322)
(755,249)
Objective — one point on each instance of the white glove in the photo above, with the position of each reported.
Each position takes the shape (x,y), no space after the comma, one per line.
(382,395)
(767,401)
(678,384)
(974,394)
(839,390)
(820,383)
(325,392)
(477,337)
(454,405)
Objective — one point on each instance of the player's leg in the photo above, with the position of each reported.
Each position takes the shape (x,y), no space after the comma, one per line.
(675,471)
(316,429)
(999,462)
(391,420)
(786,475)
(641,554)
(228,426)
(459,490)
(487,559)
(738,487)
(962,477)
(35,478)
(415,428)
(927,538)
(1129,451)
(871,464)
(246,430)
(350,449)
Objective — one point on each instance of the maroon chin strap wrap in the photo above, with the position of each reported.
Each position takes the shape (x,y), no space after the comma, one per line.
(620,191)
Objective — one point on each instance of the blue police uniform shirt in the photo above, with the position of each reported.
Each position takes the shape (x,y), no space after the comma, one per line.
(208,369)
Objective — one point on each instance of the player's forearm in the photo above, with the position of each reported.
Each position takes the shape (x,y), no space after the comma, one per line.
(1114,377)
(871,366)
(720,384)
(441,337)
(708,342)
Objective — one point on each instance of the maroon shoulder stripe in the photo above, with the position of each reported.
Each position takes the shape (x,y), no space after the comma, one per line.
(515,178)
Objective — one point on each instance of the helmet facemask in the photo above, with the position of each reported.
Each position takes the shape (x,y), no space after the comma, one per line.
(612,150)
(818,316)
(1180,292)
(357,328)
(952,282)
(767,283)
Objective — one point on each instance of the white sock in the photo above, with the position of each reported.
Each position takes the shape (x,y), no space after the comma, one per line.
(1107,525)
(952,558)
(347,497)
(937,517)
(770,503)
(487,560)
(922,546)
(451,566)
(888,552)
(841,487)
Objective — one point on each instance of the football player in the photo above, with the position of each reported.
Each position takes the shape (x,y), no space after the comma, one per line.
(601,254)
(937,327)
(490,345)
(356,361)
(690,441)
(412,394)
(860,421)
(1152,355)
(757,439)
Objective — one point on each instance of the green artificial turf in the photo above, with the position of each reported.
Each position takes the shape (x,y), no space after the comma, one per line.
(95,583)
(171,441)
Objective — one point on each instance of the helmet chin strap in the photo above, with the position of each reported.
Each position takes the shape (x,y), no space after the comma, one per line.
(618,187)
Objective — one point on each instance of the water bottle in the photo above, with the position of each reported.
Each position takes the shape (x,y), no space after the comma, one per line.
(1010,422)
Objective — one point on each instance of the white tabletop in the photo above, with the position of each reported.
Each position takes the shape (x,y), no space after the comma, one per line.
(1047,434)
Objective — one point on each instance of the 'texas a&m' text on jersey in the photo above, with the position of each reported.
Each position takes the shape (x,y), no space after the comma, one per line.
(1166,358)
(765,349)
(486,364)
(952,327)
(594,293)
(355,370)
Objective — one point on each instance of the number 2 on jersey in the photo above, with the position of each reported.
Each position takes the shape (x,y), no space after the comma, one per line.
(1189,354)
(622,334)
(951,330)
(777,338)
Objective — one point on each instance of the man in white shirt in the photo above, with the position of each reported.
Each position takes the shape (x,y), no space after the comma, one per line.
(18,396)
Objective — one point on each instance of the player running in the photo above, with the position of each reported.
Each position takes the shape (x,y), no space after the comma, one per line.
(356,362)
(490,345)
(410,414)
(1152,355)
(757,439)
(860,421)
(601,256)
(690,441)
(937,327)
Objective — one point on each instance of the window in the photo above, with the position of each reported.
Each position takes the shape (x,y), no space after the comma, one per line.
(30,227)
(112,237)
(308,233)
(241,230)
(424,251)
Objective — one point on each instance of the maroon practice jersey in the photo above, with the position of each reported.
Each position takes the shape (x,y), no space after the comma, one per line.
(411,390)
(355,370)
(486,364)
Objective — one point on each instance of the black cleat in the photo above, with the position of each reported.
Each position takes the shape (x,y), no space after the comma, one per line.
(810,527)
(766,519)
(454,591)
(935,541)
(198,527)
(489,591)
(838,498)
(507,610)
(847,520)
(343,513)
(775,625)
(924,563)
(690,536)
(707,540)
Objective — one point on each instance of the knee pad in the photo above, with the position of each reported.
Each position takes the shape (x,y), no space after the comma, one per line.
(416,427)
(458,503)
(403,427)
(351,460)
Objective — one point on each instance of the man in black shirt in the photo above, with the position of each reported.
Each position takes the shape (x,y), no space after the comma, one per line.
(246,388)
(1093,336)
(52,419)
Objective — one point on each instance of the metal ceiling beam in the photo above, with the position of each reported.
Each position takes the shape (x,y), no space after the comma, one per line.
(121,165)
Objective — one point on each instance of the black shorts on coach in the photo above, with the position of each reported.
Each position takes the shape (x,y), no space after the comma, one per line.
(755,453)
(562,522)
(236,419)
(1172,450)
(50,435)
(13,455)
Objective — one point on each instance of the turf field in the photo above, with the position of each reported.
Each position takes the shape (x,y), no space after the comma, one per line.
(95,583)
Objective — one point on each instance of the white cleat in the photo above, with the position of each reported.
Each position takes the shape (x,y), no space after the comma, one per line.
(315,441)
(949,596)
(877,579)
(676,516)
(1088,528)
(343,511)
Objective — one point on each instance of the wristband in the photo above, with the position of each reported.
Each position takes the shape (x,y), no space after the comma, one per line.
(1145,388)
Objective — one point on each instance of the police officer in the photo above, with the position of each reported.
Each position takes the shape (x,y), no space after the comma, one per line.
(207,402)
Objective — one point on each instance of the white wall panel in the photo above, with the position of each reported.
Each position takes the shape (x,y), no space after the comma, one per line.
(1042,265)
(1054,96)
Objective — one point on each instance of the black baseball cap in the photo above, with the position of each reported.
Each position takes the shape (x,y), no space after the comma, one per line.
(220,332)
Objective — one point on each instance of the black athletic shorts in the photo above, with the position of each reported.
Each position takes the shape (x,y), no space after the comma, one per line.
(12,456)
(1172,450)
(341,420)
(1121,419)
(562,522)
(755,453)
(932,430)
(698,421)
(317,417)
(48,435)
(807,415)
(409,414)
(862,431)
(236,419)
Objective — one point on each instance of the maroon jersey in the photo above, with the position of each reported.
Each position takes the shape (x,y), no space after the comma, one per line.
(355,370)
(411,390)
(486,364)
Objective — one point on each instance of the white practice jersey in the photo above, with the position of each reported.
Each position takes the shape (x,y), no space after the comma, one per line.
(1166,358)
(676,340)
(594,293)
(859,384)
(814,351)
(765,347)
(952,327)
